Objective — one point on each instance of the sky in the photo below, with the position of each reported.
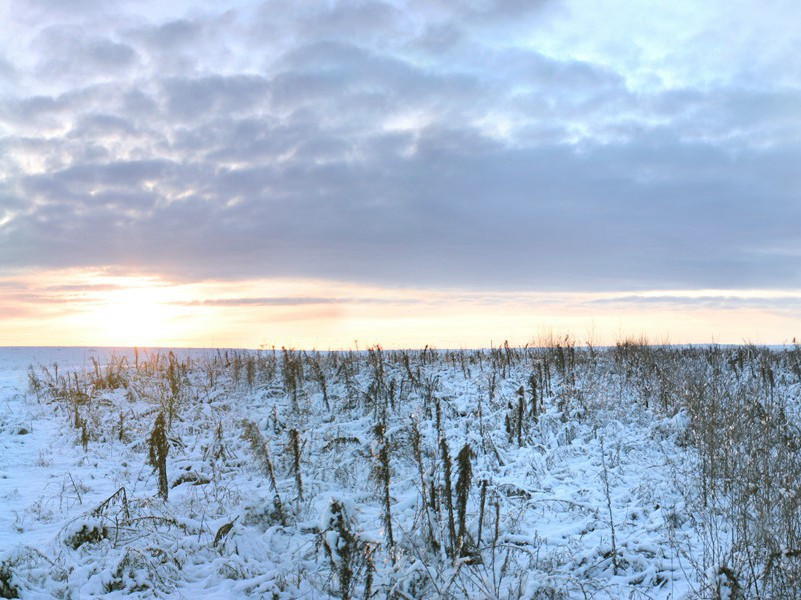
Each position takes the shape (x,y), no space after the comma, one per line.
(455,173)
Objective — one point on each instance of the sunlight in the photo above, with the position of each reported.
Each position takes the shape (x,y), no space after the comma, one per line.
(109,310)
(134,316)
(79,307)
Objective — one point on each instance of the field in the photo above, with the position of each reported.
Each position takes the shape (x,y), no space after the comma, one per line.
(559,471)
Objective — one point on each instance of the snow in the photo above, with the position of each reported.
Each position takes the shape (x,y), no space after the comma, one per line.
(85,522)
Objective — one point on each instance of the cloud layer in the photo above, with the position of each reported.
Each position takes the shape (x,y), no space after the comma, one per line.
(477,144)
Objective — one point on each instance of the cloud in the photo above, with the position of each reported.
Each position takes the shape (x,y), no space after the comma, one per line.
(172,35)
(7,70)
(194,98)
(68,52)
(294,301)
(393,143)
(705,302)
(352,20)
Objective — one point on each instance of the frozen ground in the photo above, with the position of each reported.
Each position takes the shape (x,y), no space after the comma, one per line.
(585,485)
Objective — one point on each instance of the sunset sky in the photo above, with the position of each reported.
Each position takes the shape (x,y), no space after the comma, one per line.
(454,173)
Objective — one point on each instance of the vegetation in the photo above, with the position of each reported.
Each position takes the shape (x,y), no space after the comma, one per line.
(343,459)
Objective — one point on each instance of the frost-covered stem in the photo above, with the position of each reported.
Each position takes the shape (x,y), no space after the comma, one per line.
(520,414)
(436,502)
(418,456)
(121,427)
(463,492)
(546,373)
(481,431)
(261,449)
(605,476)
(383,476)
(370,566)
(292,374)
(158,448)
(532,382)
(342,546)
(405,360)
(495,536)
(84,436)
(174,382)
(481,511)
(320,375)
(294,442)
(446,464)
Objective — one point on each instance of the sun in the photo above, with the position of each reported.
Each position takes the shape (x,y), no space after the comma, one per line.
(134,317)
(130,311)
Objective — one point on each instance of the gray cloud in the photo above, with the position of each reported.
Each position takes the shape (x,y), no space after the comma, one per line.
(295,301)
(375,142)
(172,35)
(68,52)
(192,99)
(7,70)
(352,20)
(789,305)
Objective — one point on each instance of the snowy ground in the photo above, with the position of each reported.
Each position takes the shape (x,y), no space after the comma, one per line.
(590,495)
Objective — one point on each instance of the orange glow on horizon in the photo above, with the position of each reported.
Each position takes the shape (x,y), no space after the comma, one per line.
(98,308)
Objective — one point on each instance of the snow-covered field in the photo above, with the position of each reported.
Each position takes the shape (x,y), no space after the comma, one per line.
(541,473)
